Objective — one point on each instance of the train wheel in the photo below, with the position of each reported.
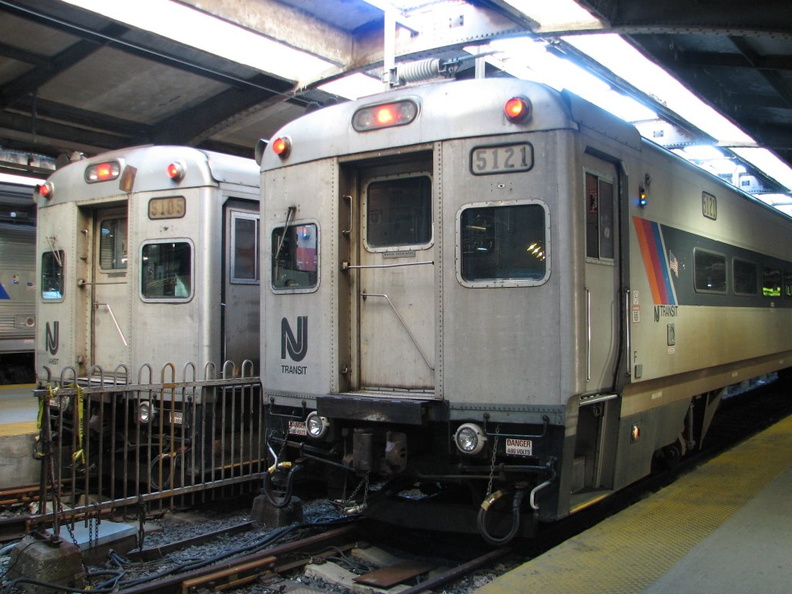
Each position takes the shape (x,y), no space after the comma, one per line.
(668,457)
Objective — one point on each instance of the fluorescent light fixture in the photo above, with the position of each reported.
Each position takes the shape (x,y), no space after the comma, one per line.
(8,178)
(219,37)
(768,163)
(354,86)
(625,61)
(557,15)
(628,63)
(702,152)
(528,59)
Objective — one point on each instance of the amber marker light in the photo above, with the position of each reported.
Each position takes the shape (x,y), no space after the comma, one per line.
(281,147)
(517,109)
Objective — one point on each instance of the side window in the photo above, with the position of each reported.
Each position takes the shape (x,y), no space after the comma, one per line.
(113,244)
(745,277)
(599,217)
(503,245)
(52,276)
(788,284)
(771,282)
(244,248)
(166,271)
(295,257)
(710,272)
(399,212)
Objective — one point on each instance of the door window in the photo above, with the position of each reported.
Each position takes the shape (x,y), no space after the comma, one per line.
(244,248)
(399,212)
(599,217)
(113,244)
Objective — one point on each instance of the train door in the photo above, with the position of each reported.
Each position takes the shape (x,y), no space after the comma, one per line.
(240,308)
(396,282)
(601,273)
(597,426)
(109,290)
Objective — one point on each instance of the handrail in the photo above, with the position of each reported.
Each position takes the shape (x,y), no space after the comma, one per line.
(348,266)
(403,323)
(115,321)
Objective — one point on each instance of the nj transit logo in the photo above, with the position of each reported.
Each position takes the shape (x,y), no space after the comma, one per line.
(52,337)
(295,345)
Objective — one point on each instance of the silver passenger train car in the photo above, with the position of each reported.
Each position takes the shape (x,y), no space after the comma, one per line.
(146,256)
(17,282)
(497,293)
(147,273)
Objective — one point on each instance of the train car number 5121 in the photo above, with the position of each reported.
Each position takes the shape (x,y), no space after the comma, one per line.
(508,158)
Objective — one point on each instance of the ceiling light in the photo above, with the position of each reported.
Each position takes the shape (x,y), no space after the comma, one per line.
(557,15)
(201,30)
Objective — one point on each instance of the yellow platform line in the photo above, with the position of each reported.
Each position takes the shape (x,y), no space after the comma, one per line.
(21,428)
(630,551)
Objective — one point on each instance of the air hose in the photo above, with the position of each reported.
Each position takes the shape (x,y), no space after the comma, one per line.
(285,500)
(519,493)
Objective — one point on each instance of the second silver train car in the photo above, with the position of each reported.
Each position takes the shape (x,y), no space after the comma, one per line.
(493,285)
(147,256)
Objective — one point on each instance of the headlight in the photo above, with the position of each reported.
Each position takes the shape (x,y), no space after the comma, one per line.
(470,439)
(145,412)
(316,426)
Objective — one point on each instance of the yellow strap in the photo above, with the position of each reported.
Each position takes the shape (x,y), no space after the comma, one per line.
(52,393)
(79,454)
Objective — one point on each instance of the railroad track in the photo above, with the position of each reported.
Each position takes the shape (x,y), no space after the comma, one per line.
(320,556)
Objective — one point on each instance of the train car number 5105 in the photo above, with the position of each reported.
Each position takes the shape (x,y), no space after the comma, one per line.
(506,158)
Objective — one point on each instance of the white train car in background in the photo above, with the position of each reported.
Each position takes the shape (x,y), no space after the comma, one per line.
(17,281)
(496,295)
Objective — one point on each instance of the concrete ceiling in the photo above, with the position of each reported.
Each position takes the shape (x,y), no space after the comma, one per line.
(75,81)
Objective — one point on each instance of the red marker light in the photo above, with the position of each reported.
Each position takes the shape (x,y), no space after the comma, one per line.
(176,171)
(385,115)
(282,147)
(517,109)
(45,190)
(102,172)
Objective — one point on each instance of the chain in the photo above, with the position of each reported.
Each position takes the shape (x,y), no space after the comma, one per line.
(492,463)
(348,504)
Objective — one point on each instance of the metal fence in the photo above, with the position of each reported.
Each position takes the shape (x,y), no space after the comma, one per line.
(107,441)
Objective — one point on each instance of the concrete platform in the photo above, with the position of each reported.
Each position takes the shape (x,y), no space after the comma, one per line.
(725,528)
(18,428)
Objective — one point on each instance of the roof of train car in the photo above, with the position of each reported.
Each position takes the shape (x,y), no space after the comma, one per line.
(77,81)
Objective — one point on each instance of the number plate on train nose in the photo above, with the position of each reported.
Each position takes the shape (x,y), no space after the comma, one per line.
(297,428)
(519,447)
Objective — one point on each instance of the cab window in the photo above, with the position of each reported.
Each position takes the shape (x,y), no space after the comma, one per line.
(295,257)
(52,276)
(166,271)
(505,245)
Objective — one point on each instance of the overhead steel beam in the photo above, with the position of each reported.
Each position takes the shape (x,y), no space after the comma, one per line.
(768,16)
